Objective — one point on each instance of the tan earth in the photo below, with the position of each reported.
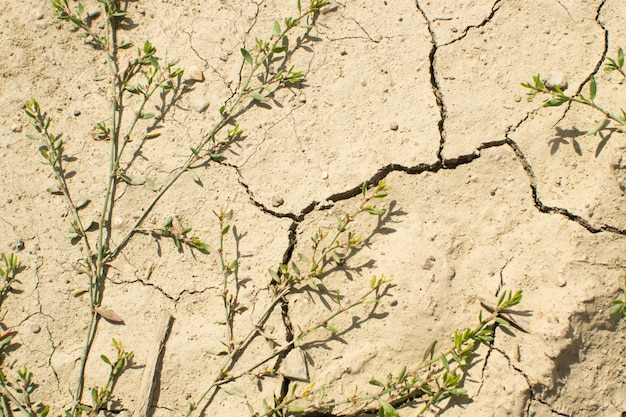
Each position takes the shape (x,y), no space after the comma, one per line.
(489,193)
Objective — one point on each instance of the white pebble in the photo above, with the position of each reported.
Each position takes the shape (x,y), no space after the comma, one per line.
(324,175)
(555,79)
(194,74)
(200,104)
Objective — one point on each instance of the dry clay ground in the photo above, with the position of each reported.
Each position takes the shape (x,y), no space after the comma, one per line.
(490,192)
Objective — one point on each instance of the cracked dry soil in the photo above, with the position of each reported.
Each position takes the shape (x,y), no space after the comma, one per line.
(490,192)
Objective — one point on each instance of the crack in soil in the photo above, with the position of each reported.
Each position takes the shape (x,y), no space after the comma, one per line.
(494,9)
(435,84)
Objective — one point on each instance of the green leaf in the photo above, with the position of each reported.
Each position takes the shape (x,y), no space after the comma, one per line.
(386,409)
(246,55)
(81,9)
(278,49)
(593,88)
(258,96)
(274,275)
(126,45)
(376,383)
(555,101)
(600,124)
(295,409)
(146,115)
(225,230)
(331,329)
(295,268)
(444,362)
(105,360)
(194,177)
(277,29)
(83,203)
(375,212)
(32,137)
(620,57)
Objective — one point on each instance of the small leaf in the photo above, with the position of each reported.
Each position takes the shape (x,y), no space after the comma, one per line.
(108,315)
(105,360)
(299,7)
(295,268)
(194,177)
(600,124)
(278,49)
(83,203)
(376,383)
(620,57)
(274,275)
(593,88)
(295,409)
(554,102)
(376,212)
(331,329)
(225,230)
(146,115)
(246,55)
(276,28)
(258,96)
(386,409)
(126,45)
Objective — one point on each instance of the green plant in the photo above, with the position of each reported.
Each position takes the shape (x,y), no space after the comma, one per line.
(14,393)
(429,383)
(619,306)
(135,81)
(101,396)
(558,97)
(537,86)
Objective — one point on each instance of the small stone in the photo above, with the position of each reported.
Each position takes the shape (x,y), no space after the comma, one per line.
(35,328)
(93,13)
(393,303)
(393,126)
(76,113)
(277,201)
(294,366)
(324,175)
(200,104)
(344,53)
(16,128)
(363,83)
(194,74)
(555,79)
(17,246)
(517,98)
(560,281)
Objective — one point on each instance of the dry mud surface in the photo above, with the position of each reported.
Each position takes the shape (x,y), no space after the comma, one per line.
(490,193)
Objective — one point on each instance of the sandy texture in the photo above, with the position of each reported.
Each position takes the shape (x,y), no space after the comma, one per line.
(490,193)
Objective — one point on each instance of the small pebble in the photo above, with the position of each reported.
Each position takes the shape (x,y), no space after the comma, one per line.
(35,328)
(344,53)
(324,175)
(16,128)
(200,104)
(394,126)
(194,74)
(76,113)
(555,79)
(393,303)
(277,201)
(17,246)
(560,281)
(93,13)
